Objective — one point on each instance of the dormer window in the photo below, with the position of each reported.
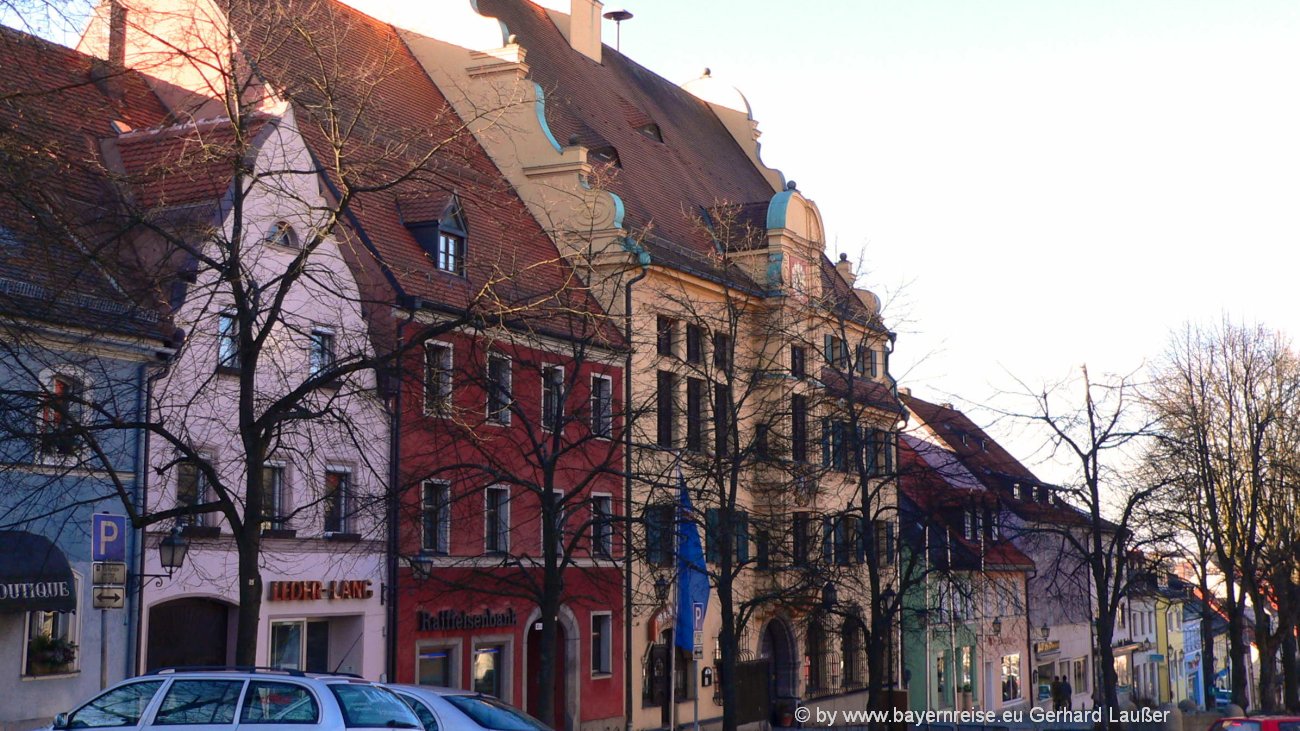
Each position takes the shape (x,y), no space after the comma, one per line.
(605,156)
(651,130)
(444,239)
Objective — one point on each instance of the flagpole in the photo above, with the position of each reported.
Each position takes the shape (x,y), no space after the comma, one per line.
(672,646)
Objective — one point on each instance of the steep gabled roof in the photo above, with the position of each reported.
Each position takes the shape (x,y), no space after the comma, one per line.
(343,70)
(59,215)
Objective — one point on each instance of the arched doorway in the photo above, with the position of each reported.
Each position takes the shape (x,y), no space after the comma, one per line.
(561,677)
(777,646)
(188,632)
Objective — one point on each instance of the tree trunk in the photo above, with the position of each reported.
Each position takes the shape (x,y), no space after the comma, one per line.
(1207,654)
(1266,641)
(248,543)
(1290,684)
(1237,653)
(1109,696)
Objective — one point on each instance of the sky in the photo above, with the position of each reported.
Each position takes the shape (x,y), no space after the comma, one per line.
(1031,186)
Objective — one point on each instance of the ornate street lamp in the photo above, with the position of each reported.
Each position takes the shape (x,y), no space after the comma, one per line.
(829,596)
(996,627)
(661,589)
(1044,631)
(421,566)
(172,551)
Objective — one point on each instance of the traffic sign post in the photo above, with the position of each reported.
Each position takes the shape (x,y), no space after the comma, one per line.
(108,572)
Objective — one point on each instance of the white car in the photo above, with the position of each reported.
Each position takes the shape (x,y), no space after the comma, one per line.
(449,709)
(242,700)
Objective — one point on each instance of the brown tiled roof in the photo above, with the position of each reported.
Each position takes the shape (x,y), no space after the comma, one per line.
(59,218)
(401,121)
(865,390)
(183,164)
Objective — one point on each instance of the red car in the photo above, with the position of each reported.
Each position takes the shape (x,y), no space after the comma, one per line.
(1258,723)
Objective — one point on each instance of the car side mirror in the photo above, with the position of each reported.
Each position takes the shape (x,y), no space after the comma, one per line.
(60,721)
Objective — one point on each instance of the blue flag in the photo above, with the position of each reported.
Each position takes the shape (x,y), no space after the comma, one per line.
(692,578)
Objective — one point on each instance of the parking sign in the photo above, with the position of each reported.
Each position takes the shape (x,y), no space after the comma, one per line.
(107,537)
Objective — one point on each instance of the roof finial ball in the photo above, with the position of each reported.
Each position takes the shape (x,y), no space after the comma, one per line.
(791,185)
(707,72)
(843,256)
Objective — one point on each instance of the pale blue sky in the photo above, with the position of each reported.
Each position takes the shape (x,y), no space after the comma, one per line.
(1050,183)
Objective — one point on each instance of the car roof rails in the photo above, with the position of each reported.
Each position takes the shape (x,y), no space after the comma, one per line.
(225,668)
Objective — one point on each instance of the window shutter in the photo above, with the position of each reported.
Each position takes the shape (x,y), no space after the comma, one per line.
(826,442)
(828,350)
(741,536)
(713,552)
(828,540)
(860,545)
(654,536)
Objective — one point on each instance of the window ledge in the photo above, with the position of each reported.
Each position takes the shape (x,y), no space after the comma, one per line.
(279,533)
(201,531)
(342,537)
(225,370)
(602,675)
(52,676)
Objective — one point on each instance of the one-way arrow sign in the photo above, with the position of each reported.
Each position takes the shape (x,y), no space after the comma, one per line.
(110,597)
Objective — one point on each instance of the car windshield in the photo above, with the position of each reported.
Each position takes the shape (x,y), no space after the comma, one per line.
(369,706)
(121,706)
(491,713)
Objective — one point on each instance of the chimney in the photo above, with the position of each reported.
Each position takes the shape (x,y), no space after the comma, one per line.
(116,35)
(846,270)
(905,390)
(584,27)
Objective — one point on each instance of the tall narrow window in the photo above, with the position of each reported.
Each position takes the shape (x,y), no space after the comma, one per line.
(664,327)
(496,535)
(322,351)
(835,352)
(722,352)
(695,414)
(873,369)
(191,490)
(338,500)
(228,341)
(52,641)
(722,418)
(602,406)
(798,361)
(59,411)
(802,547)
(602,526)
(498,390)
(694,343)
(275,510)
(435,518)
(860,354)
(666,410)
(552,397)
(799,428)
(601,644)
(437,378)
(659,534)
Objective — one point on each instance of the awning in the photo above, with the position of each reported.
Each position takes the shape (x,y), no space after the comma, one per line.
(34,574)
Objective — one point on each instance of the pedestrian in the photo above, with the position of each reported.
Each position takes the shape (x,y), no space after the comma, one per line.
(1056,692)
(1067,693)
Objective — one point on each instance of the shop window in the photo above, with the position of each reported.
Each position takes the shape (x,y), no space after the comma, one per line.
(602,655)
(602,406)
(965,668)
(191,490)
(338,502)
(61,408)
(499,396)
(275,507)
(496,536)
(277,703)
(1011,678)
(489,665)
(194,702)
(52,639)
(1080,672)
(322,351)
(437,378)
(1123,671)
(435,515)
(301,645)
(552,397)
(602,526)
(436,665)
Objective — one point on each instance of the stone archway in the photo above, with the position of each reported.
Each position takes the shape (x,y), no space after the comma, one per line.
(776,644)
(190,632)
(570,655)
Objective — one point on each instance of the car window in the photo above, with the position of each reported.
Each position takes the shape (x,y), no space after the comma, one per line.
(1288,726)
(1238,725)
(493,714)
(369,706)
(121,706)
(199,701)
(271,702)
(422,712)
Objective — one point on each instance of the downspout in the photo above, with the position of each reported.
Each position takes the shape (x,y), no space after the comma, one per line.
(394,496)
(142,489)
(643,258)
(1029,642)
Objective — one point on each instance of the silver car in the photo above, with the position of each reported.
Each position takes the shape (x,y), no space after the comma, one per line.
(242,700)
(449,709)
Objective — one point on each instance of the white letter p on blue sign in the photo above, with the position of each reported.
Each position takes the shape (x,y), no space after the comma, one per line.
(107,537)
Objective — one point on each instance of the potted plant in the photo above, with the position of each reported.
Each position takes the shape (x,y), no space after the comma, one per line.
(47,655)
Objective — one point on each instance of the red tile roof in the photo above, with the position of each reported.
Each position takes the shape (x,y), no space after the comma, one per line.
(404,128)
(184,164)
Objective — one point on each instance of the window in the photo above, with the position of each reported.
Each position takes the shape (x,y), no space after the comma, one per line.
(884,541)
(722,418)
(799,428)
(337,501)
(499,396)
(694,344)
(722,352)
(367,706)
(664,327)
(695,414)
(437,378)
(601,644)
(191,490)
(559,520)
(301,645)
(121,706)
(194,702)
(444,239)
(272,702)
(666,409)
(496,535)
(1011,677)
(872,368)
(798,361)
(602,526)
(282,234)
(660,533)
(552,397)
(322,351)
(835,444)
(435,518)
(737,522)
(275,510)
(802,539)
(228,358)
(836,352)
(1123,671)
(860,354)
(489,664)
(1080,673)
(602,406)
(60,410)
(52,641)
(435,666)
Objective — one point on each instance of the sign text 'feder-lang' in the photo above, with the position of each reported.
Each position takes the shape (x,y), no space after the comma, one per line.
(300,591)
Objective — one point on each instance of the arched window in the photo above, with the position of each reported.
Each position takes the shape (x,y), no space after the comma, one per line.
(282,234)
